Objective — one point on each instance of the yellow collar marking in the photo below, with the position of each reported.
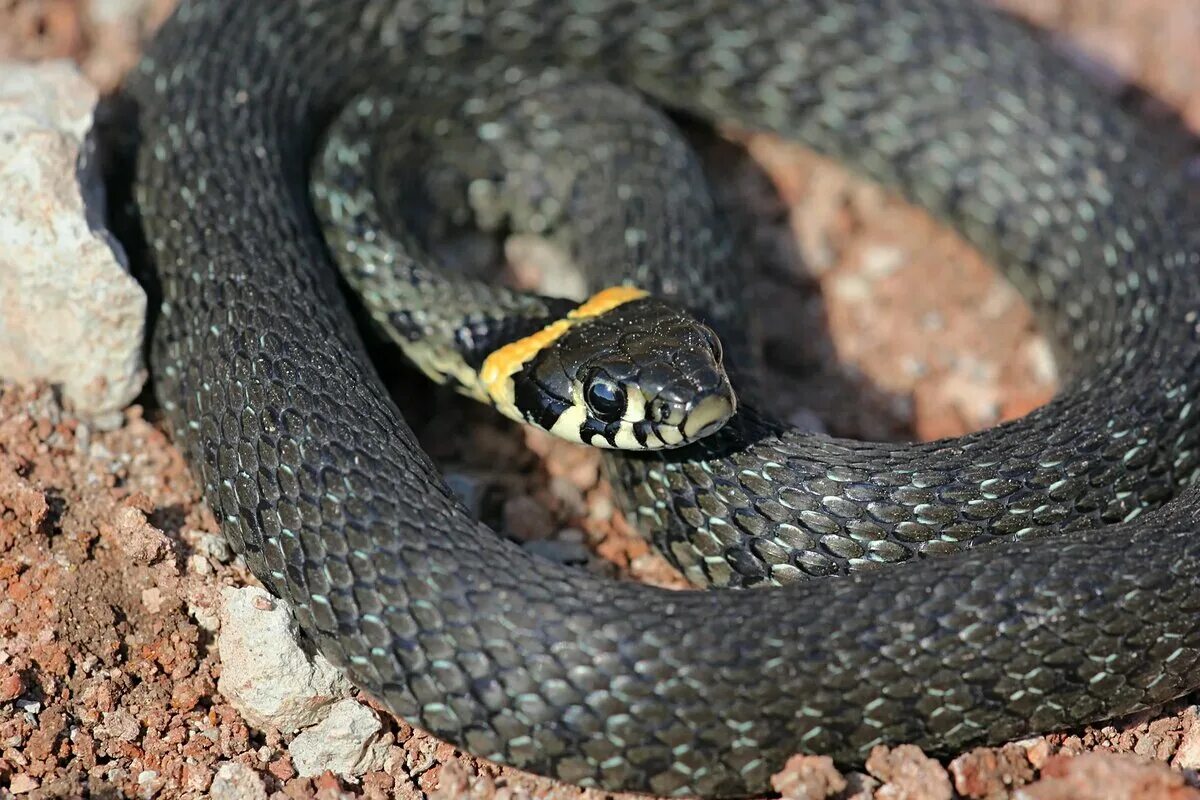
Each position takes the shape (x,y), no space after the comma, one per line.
(606,300)
(495,375)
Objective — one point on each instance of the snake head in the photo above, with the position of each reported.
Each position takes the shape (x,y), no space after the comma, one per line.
(624,371)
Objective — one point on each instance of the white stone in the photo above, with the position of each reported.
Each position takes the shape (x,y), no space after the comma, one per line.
(70,313)
(235,781)
(265,673)
(347,742)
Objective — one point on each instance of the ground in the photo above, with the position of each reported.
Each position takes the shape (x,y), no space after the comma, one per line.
(111,567)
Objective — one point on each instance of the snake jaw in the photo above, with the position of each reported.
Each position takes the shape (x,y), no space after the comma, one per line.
(709,416)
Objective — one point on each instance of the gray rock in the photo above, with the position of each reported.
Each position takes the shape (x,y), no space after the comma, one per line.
(235,781)
(350,741)
(70,313)
(265,673)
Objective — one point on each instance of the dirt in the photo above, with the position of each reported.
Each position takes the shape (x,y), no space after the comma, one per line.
(111,567)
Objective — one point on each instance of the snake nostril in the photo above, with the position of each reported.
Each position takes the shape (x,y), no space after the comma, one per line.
(660,411)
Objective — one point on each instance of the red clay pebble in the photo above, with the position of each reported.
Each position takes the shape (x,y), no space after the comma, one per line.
(908,774)
(22,783)
(1187,755)
(990,773)
(527,519)
(1107,776)
(808,778)
(137,538)
(11,685)
(1038,752)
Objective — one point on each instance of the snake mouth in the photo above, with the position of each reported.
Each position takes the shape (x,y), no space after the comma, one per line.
(708,417)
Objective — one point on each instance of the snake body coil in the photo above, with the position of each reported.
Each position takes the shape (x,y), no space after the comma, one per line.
(317,481)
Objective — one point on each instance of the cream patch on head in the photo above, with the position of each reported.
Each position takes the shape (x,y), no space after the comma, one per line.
(715,408)
(635,404)
(669,434)
(569,423)
(626,440)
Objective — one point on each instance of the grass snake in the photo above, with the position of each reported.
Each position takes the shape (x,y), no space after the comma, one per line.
(318,482)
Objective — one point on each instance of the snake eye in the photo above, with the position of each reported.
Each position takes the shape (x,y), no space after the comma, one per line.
(606,399)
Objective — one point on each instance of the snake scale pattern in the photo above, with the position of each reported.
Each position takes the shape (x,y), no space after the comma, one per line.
(319,483)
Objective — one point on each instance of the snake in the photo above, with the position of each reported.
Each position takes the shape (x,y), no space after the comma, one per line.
(1025,578)
(621,370)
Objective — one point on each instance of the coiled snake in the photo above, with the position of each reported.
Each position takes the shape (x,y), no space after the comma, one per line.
(317,481)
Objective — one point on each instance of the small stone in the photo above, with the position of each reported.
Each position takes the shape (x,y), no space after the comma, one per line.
(347,742)
(1187,755)
(266,675)
(808,778)
(195,778)
(1071,745)
(600,506)
(860,786)
(152,599)
(539,265)
(1037,751)
(526,519)
(31,707)
(11,685)
(206,615)
(22,783)
(198,565)
(214,546)
(989,772)
(137,538)
(569,497)
(908,774)
(1041,361)
(1100,776)
(119,725)
(235,781)
(282,768)
(454,781)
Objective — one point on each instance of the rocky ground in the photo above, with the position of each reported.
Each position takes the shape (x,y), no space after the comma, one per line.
(135,663)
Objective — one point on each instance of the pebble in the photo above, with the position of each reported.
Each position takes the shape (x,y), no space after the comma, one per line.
(526,519)
(806,777)
(265,673)
(22,783)
(349,741)
(235,781)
